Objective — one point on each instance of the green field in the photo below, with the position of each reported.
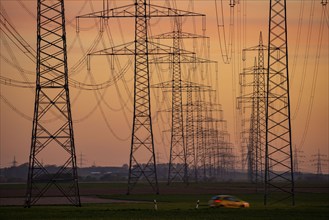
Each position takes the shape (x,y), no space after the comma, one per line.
(312,202)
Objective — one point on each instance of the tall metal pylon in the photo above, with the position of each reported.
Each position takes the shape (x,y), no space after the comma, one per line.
(279,175)
(189,134)
(261,110)
(142,156)
(253,133)
(257,128)
(52,102)
(247,101)
(219,156)
(187,166)
(177,159)
(319,160)
(178,166)
(142,135)
(200,155)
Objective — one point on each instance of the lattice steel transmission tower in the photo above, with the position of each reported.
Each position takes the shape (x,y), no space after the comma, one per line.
(200,138)
(142,135)
(177,148)
(52,103)
(279,175)
(178,165)
(318,161)
(261,110)
(177,160)
(253,130)
(184,170)
(257,101)
(142,157)
(193,137)
(189,133)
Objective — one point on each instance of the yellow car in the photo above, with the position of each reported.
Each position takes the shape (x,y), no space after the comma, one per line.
(227,201)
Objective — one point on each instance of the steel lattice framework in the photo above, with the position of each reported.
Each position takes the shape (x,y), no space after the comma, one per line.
(261,111)
(142,156)
(257,99)
(200,154)
(178,165)
(177,161)
(52,103)
(189,88)
(279,176)
(253,133)
(196,140)
(189,134)
(142,135)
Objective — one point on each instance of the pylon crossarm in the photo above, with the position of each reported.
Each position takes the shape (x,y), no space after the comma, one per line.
(184,58)
(160,11)
(182,35)
(129,49)
(128,11)
(119,12)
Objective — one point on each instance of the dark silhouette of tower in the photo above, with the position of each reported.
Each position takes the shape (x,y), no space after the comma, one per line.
(200,138)
(142,144)
(189,134)
(253,133)
(14,162)
(261,111)
(318,161)
(256,101)
(178,164)
(279,175)
(177,161)
(52,103)
(142,155)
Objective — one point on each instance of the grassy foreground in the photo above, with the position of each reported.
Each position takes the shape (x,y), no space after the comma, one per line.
(180,205)
(98,212)
(310,206)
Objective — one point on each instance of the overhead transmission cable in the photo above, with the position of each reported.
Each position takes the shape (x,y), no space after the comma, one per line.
(315,76)
(100,97)
(306,59)
(225,47)
(296,53)
(12,107)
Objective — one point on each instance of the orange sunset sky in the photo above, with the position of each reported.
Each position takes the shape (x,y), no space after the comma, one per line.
(103,118)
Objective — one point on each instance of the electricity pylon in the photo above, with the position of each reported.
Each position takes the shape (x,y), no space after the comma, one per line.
(189,133)
(319,161)
(247,102)
(261,110)
(142,157)
(52,103)
(219,157)
(279,175)
(257,101)
(191,142)
(181,170)
(253,134)
(178,166)
(177,147)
